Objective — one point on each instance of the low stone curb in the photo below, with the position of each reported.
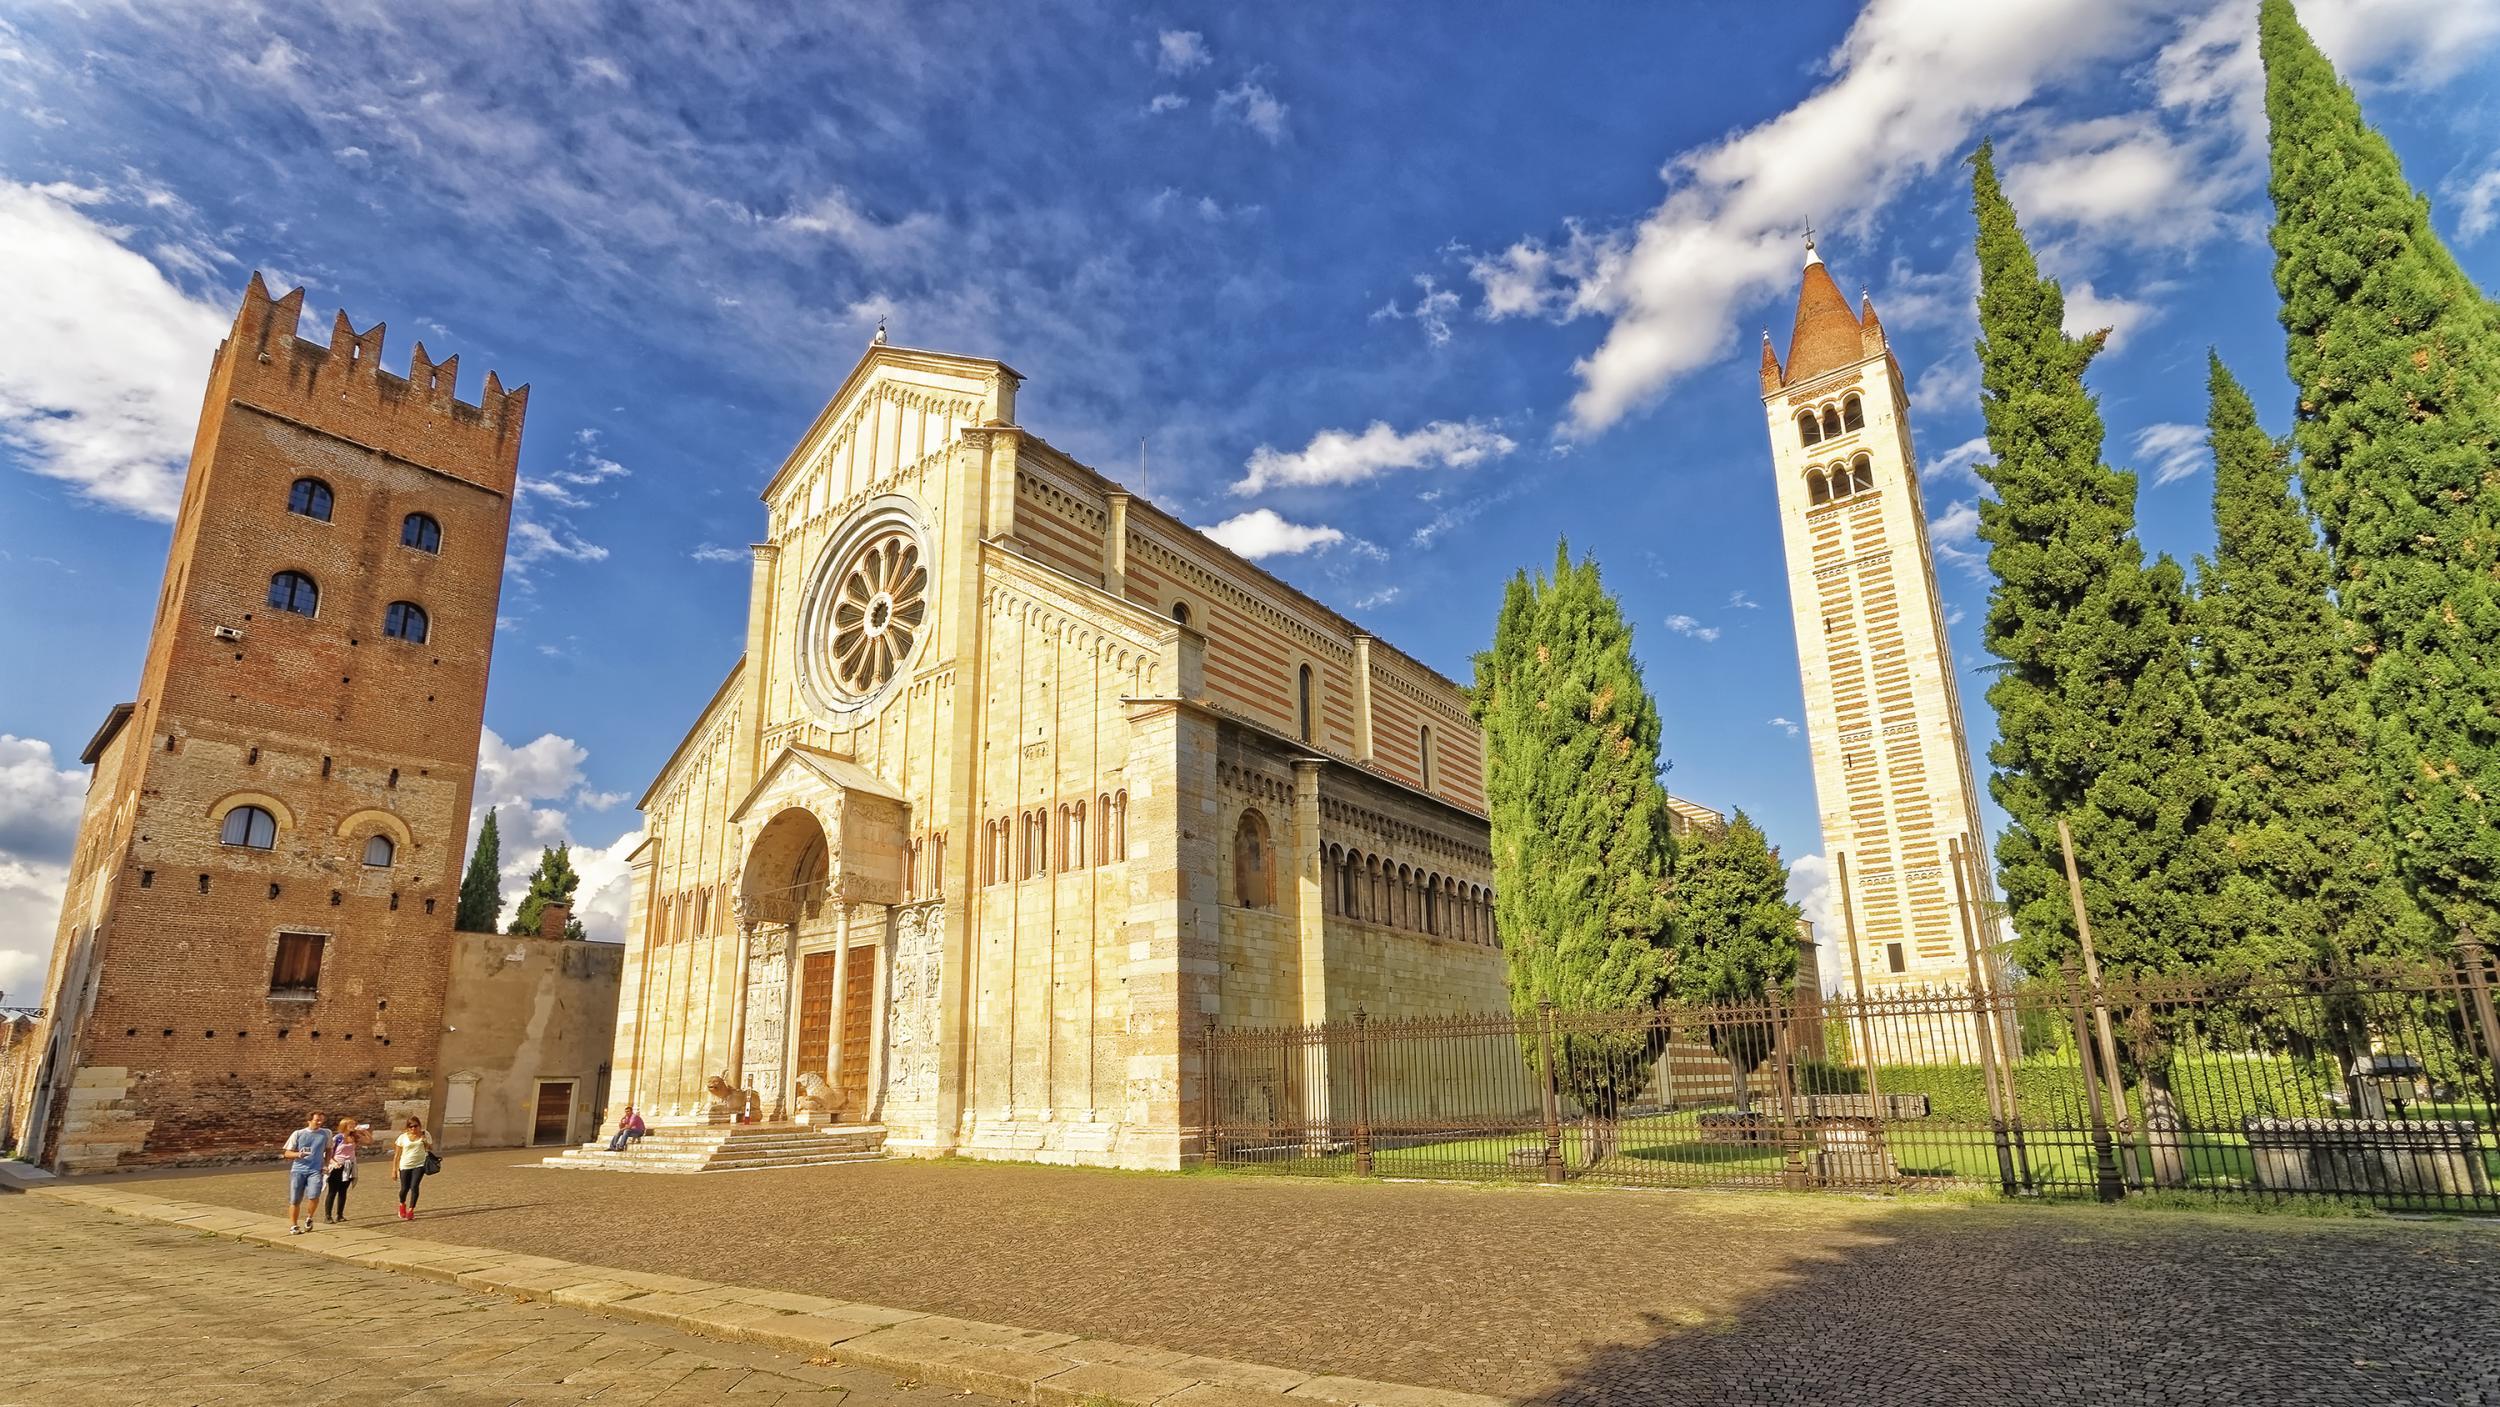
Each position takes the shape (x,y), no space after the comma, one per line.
(1020,1365)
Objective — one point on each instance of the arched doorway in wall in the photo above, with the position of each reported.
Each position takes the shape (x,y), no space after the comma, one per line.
(783,1014)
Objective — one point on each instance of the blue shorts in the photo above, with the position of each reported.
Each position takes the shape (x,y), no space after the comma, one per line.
(303,1184)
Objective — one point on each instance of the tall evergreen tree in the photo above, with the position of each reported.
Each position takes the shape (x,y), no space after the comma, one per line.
(481,887)
(2397,357)
(1738,938)
(1581,849)
(553,882)
(2308,876)
(2097,718)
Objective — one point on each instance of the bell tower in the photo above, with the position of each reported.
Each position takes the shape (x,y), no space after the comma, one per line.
(1891,766)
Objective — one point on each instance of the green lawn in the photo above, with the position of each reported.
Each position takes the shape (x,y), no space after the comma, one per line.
(1671,1150)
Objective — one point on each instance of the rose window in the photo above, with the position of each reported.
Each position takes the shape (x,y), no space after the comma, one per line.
(865,609)
(877,614)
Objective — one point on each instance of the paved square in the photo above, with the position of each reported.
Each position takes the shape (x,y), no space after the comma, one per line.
(105,1310)
(1620,1297)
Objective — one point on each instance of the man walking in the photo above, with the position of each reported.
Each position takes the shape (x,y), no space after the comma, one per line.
(309,1146)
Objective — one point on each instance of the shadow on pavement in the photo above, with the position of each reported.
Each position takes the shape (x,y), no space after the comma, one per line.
(2115,1307)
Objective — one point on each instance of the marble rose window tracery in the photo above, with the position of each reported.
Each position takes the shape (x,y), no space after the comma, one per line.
(866,609)
(877,613)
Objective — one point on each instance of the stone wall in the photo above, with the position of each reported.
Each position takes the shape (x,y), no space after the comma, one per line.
(522,1010)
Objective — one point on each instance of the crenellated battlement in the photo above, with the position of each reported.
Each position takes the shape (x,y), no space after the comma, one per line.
(342,388)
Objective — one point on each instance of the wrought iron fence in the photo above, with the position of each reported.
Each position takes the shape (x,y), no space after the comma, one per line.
(2374,1085)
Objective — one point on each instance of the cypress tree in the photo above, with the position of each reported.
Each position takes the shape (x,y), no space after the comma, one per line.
(2097,717)
(553,882)
(481,886)
(1738,939)
(1581,849)
(2397,358)
(2307,865)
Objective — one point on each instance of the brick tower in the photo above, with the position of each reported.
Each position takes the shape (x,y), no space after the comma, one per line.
(1891,766)
(259,914)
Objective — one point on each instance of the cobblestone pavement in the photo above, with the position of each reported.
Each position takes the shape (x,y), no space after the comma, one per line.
(1615,1297)
(100,1309)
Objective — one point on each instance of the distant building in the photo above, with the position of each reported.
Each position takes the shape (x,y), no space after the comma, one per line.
(1692,818)
(1891,764)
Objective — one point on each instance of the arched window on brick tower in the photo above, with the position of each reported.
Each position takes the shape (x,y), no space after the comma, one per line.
(1862,474)
(1254,863)
(1809,430)
(1818,488)
(1831,422)
(1852,412)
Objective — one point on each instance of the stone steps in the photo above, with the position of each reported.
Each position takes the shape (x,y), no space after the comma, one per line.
(705,1148)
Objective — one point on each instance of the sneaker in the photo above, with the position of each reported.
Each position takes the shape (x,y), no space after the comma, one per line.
(293,1230)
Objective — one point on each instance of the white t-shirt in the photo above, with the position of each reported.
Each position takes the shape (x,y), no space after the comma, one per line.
(412,1150)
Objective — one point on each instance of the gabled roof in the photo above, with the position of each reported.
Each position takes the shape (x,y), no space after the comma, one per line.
(840,773)
(878,354)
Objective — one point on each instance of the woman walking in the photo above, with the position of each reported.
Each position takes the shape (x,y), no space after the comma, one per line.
(341,1172)
(416,1159)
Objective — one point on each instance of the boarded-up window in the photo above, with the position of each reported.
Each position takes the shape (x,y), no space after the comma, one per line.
(298,969)
(1254,866)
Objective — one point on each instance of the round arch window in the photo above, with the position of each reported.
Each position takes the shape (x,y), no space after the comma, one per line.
(866,608)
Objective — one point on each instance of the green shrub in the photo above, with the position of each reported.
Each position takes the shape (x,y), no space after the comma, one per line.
(2218,1090)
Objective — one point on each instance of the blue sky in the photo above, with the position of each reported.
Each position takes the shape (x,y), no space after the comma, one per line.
(1409,292)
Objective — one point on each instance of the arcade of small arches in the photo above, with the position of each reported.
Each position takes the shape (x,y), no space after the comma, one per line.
(1838,481)
(1366,888)
(1831,420)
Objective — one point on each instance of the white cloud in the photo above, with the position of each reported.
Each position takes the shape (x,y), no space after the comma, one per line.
(1262,533)
(2089,310)
(1377,599)
(1687,625)
(1177,51)
(2478,205)
(1346,457)
(1962,459)
(1949,385)
(1954,536)
(1531,280)
(1743,601)
(1166,102)
(100,373)
(1255,108)
(1786,725)
(1911,83)
(2174,450)
(40,804)
(39,800)
(1431,311)
(30,913)
(837,217)
(714,552)
(531,787)
(2121,179)
(1811,889)
(534,541)
(598,69)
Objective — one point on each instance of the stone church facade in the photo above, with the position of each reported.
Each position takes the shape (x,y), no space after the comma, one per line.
(1019,783)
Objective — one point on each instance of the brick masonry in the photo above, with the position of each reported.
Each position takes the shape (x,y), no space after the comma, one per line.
(172,1044)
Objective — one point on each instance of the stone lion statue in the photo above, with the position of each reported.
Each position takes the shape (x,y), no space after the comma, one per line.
(731,1104)
(815,1101)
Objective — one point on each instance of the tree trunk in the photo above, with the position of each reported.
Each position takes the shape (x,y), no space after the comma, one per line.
(2163,1129)
(1736,1073)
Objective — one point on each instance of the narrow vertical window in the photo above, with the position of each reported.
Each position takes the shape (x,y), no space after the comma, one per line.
(1862,474)
(1892,957)
(1423,754)
(1302,704)
(1852,413)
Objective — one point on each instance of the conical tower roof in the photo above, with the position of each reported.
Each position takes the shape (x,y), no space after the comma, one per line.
(1827,333)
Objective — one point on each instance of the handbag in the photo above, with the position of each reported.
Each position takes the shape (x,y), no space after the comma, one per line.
(433,1163)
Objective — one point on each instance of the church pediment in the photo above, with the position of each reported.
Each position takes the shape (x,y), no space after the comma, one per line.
(897,404)
(811,770)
